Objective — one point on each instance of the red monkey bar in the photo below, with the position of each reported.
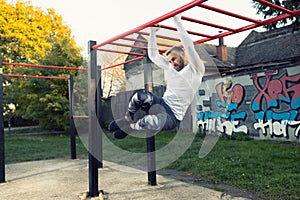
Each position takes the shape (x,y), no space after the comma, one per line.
(42,66)
(39,66)
(200,37)
(39,77)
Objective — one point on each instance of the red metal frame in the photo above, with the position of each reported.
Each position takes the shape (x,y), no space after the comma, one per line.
(145,41)
(151,23)
(123,63)
(41,77)
(204,37)
(122,52)
(160,36)
(42,66)
(39,66)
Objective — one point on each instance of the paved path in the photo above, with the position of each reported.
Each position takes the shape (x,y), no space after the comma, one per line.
(64,179)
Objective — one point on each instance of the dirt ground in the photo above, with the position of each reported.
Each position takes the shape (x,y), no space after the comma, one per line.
(66,179)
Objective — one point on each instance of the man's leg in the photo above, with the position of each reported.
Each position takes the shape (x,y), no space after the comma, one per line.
(160,117)
(139,100)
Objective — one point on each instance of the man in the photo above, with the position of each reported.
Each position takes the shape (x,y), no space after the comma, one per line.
(183,71)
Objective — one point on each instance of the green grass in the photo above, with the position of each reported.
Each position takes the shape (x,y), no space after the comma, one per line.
(138,145)
(25,130)
(39,147)
(269,168)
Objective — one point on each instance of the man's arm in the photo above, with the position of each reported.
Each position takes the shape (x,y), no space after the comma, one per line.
(188,45)
(153,52)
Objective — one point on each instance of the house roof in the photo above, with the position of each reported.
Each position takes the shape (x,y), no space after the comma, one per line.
(207,52)
(215,66)
(211,50)
(258,51)
(275,46)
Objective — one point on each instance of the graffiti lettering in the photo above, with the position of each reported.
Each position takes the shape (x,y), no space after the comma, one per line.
(283,90)
(228,103)
(277,128)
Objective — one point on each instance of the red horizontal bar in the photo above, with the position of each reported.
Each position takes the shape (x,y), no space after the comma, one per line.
(122,52)
(281,17)
(30,76)
(251,26)
(275,6)
(76,116)
(160,36)
(135,40)
(128,45)
(206,23)
(190,32)
(123,63)
(42,66)
(230,13)
(245,28)
(151,23)
(145,41)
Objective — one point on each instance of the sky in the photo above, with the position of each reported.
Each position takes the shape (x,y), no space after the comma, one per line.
(100,20)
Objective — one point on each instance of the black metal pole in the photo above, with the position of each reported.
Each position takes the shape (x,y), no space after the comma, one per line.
(92,122)
(9,127)
(98,111)
(72,124)
(150,140)
(2,154)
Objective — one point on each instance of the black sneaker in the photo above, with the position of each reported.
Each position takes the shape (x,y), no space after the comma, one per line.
(117,124)
(119,134)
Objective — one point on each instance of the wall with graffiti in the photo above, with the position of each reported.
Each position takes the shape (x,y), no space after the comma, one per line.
(264,105)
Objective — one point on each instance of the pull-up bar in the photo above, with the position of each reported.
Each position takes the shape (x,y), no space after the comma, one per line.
(203,36)
(70,79)
(145,41)
(42,66)
(39,66)
(123,63)
(275,6)
(94,79)
(38,77)
(151,23)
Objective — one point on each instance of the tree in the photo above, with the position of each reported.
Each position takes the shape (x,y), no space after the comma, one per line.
(113,79)
(268,11)
(30,35)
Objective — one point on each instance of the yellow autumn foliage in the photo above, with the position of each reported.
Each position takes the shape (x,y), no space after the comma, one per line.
(28,33)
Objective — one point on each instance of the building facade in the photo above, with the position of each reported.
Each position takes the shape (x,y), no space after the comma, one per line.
(260,94)
(252,89)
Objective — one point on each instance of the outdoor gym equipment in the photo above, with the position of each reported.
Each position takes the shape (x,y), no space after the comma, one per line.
(118,42)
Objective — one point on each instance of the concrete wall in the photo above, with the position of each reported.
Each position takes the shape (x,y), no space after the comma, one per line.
(264,105)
